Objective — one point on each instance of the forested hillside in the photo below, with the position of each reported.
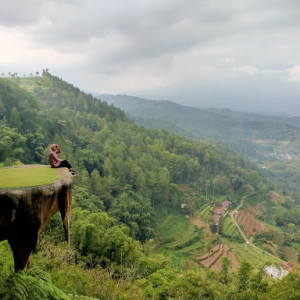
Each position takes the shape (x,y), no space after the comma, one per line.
(252,135)
(130,181)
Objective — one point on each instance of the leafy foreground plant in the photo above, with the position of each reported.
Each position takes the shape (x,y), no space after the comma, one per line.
(35,284)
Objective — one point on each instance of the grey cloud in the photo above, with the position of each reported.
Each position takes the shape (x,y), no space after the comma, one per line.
(119,37)
(19,13)
(154,28)
(15,13)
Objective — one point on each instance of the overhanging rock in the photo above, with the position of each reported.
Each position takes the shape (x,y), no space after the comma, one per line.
(24,210)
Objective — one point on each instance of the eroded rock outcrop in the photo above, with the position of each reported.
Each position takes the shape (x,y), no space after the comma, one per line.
(25,211)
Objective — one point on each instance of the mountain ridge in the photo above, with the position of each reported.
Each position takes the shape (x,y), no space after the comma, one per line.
(233,129)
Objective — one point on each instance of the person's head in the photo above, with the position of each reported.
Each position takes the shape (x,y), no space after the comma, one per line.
(55,148)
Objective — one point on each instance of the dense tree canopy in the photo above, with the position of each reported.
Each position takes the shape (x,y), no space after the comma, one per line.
(127,173)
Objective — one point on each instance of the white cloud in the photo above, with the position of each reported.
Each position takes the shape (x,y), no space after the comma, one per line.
(20,53)
(247,70)
(294,74)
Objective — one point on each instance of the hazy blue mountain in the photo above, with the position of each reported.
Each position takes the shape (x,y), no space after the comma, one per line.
(249,134)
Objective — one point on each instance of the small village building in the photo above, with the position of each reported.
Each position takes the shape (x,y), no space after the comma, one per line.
(275,272)
(183,205)
(217,214)
(225,204)
(219,211)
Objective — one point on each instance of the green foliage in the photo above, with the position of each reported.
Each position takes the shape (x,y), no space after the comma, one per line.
(135,211)
(19,106)
(125,170)
(224,271)
(205,212)
(253,136)
(6,267)
(287,288)
(229,230)
(34,284)
(243,276)
(15,120)
(96,238)
(271,234)
(126,192)
(12,145)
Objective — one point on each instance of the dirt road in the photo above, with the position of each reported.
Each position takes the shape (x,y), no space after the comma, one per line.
(244,236)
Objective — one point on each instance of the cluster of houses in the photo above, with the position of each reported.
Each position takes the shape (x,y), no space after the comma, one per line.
(284,156)
(220,211)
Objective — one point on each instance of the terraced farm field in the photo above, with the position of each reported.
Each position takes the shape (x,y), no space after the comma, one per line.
(176,232)
(229,230)
(246,217)
(213,258)
(205,212)
(178,238)
(254,257)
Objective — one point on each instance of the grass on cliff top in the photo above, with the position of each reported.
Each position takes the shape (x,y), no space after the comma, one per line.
(27,176)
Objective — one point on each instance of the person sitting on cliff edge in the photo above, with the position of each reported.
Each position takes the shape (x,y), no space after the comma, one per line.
(56,162)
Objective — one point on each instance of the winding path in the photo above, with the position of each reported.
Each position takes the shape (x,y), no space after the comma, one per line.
(243,234)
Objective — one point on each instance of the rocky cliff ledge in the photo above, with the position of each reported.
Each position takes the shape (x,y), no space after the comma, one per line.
(29,196)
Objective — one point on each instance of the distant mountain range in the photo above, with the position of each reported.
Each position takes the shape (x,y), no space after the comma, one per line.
(252,135)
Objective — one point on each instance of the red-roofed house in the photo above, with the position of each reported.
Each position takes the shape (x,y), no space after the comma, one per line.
(217,214)
(225,204)
(219,211)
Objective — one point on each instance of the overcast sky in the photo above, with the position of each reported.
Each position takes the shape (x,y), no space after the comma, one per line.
(237,53)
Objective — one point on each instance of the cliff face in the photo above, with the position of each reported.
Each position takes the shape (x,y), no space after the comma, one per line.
(25,211)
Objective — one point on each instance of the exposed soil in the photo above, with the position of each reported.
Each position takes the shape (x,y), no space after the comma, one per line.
(184,188)
(275,196)
(213,258)
(200,224)
(187,189)
(208,237)
(246,218)
(204,226)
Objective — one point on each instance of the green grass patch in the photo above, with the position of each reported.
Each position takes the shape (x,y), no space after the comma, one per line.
(179,238)
(193,236)
(27,176)
(172,229)
(296,246)
(6,259)
(254,257)
(271,227)
(228,227)
(205,212)
(6,267)
(229,230)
